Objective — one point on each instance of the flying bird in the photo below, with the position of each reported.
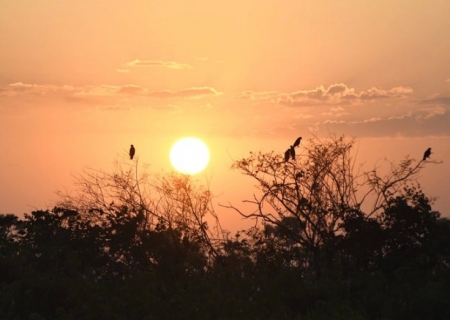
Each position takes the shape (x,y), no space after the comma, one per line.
(427,154)
(132,152)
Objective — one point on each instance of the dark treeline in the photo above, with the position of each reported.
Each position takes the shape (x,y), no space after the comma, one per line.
(329,243)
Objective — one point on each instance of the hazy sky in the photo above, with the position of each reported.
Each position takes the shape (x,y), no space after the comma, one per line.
(82,80)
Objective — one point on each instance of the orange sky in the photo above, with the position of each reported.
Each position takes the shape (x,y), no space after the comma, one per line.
(80,81)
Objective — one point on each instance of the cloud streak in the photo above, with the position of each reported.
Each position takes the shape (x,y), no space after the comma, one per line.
(193,93)
(425,122)
(338,93)
(86,93)
(158,63)
(19,88)
(440,100)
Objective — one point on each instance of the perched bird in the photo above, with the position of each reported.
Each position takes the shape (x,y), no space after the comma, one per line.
(132,152)
(427,154)
(290,153)
(292,150)
(287,154)
(297,142)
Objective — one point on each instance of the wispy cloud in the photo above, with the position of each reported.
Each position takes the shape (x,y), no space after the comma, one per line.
(363,121)
(442,100)
(115,108)
(375,119)
(134,90)
(401,117)
(338,93)
(336,112)
(131,89)
(430,121)
(255,95)
(158,63)
(433,112)
(101,93)
(195,92)
(107,91)
(97,91)
(20,88)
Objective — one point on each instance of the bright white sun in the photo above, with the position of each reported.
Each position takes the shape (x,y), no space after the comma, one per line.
(189,155)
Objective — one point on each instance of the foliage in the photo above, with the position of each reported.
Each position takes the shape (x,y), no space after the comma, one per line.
(129,246)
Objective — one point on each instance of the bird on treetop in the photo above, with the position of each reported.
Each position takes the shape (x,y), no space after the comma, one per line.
(292,150)
(287,154)
(426,154)
(297,142)
(290,153)
(132,152)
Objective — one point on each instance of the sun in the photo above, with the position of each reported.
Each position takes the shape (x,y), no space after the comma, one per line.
(189,155)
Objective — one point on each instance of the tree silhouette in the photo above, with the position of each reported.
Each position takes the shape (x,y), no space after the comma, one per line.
(332,242)
(322,190)
(174,200)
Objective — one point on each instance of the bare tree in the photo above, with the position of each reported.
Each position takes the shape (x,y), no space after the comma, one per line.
(319,188)
(174,201)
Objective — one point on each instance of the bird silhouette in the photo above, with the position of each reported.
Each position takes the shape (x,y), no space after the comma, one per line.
(287,154)
(290,153)
(426,154)
(297,142)
(132,152)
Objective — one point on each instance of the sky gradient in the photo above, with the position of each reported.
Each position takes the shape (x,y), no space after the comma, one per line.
(80,81)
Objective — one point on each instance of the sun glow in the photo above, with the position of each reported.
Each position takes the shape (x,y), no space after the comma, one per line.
(189,155)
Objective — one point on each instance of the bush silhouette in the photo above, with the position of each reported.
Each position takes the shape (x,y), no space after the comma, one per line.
(330,242)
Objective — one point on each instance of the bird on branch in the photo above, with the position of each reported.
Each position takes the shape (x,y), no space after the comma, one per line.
(287,154)
(290,153)
(297,142)
(132,152)
(426,154)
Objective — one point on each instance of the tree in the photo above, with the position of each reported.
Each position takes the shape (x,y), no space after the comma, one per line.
(174,202)
(334,243)
(314,198)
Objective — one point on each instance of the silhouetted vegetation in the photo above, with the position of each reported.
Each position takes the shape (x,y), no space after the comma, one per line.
(330,242)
